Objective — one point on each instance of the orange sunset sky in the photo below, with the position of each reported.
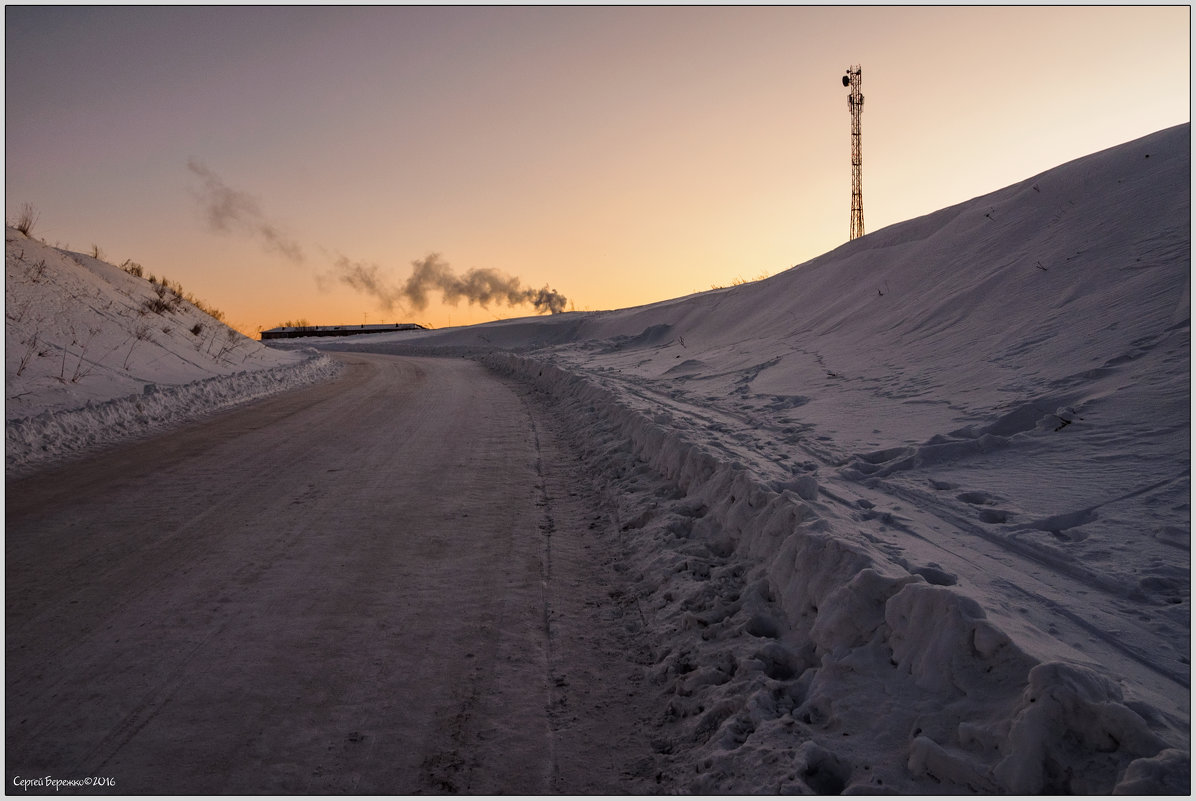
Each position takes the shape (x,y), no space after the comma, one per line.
(620,155)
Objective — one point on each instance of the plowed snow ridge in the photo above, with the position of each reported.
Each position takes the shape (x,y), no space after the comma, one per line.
(990,717)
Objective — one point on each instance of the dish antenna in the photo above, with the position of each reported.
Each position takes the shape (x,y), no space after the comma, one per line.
(855,103)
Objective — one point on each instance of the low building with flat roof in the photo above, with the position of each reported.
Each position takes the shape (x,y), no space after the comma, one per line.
(291,332)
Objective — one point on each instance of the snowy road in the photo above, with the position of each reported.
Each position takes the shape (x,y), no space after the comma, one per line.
(378,584)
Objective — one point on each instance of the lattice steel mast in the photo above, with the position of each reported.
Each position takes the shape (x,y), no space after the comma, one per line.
(855,103)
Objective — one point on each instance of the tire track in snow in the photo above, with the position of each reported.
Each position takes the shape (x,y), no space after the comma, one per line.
(547,526)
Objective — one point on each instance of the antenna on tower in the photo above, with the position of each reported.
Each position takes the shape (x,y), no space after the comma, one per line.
(855,103)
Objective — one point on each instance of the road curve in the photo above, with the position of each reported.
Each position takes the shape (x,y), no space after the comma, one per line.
(375,585)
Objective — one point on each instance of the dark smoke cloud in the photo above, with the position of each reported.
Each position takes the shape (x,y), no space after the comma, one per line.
(480,285)
(484,286)
(233,211)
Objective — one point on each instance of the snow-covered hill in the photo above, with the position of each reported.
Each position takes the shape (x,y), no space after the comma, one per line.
(93,354)
(936,484)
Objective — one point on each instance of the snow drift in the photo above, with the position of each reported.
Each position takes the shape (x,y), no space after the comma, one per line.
(95,354)
(930,511)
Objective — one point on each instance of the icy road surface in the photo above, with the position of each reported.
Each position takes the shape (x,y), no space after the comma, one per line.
(381,584)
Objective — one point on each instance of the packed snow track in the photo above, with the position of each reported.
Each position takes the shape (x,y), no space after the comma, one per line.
(378,584)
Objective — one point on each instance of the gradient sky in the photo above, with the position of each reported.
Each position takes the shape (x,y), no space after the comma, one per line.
(620,155)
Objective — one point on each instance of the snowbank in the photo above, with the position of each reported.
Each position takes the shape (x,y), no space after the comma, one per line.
(95,353)
(31,442)
(984,715)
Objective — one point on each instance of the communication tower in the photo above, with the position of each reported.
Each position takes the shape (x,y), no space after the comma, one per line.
(855,103)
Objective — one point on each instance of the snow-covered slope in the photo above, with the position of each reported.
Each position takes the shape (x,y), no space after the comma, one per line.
(94,354)
(947,467)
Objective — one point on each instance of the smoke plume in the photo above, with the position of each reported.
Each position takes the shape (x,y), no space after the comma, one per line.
(366,280)
(484,286)
(233,211)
